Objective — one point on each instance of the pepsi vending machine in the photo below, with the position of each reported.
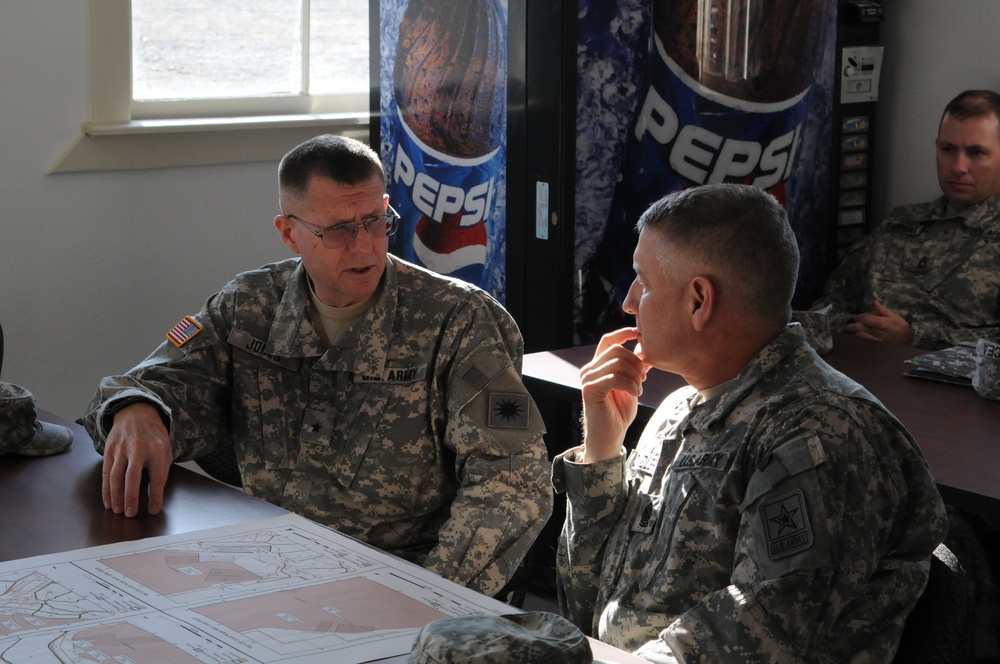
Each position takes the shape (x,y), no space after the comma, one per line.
(523,139)
(443,133)
(689,92)
(474,106)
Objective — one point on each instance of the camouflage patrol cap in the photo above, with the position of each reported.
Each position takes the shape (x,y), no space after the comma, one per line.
(21,432)
(957,362)
(537,637)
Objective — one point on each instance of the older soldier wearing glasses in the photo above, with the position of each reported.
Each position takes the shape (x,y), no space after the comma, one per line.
(356,389)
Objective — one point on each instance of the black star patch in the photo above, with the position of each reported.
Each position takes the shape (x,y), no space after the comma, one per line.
(786,519)
(317,427)
(509,411)
(786,525)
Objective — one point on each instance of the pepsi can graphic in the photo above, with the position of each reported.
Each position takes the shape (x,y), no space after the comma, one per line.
(446,146)
(728,99)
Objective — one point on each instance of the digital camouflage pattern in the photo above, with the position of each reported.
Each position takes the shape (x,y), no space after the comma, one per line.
(413,433)
(986,376)
(790,518)
(535,637)
(816,326)
(957,362)
(939,271)
(20,430)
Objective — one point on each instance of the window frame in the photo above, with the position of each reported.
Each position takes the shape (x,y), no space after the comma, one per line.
(122,135)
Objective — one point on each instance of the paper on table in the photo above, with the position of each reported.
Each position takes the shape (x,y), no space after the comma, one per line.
(276,590)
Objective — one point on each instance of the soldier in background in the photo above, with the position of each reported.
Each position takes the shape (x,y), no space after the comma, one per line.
(928,275)
(773,510)
(358,390)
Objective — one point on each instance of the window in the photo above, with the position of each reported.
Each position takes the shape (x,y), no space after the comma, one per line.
(213,57)
(178,82)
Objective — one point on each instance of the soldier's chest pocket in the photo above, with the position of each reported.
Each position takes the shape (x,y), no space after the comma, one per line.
(344,440)
(691,519)
(267,396)
(916,259)
(374,433)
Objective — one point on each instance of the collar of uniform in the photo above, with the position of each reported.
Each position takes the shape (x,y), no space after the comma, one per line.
(985,214)
(719,407)
(292,333)
(376,326)
(920,214)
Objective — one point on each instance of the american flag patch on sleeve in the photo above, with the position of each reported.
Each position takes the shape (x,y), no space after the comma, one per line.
(184,331)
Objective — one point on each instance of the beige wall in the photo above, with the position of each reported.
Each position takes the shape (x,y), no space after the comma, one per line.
(95,267)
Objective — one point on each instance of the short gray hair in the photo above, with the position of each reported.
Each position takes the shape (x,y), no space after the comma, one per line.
(740,231)
(339,158)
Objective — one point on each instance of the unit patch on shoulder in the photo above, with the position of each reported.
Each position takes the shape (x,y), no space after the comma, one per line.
(184,331)
(786,525)
(508,410)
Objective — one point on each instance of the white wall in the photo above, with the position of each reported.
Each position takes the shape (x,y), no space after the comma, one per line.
(94,268)
(933,50)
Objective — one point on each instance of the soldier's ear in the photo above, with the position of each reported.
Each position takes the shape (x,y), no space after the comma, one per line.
(285,225)
(701,292)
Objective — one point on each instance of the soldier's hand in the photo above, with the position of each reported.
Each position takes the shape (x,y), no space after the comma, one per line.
(138,441)
(611,385)
(882,324)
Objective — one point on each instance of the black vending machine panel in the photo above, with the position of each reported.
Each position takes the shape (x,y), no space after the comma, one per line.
(859,61)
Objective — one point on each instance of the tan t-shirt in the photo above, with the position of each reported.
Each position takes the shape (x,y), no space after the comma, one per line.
(334,320)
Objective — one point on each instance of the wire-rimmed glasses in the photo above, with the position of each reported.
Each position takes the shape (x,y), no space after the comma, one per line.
(343,235)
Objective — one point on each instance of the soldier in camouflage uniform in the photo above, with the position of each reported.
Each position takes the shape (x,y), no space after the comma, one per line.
(773,510)
(359,390)
(928,276)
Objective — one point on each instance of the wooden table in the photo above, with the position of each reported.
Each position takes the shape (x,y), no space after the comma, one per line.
(53,504)
(958,431)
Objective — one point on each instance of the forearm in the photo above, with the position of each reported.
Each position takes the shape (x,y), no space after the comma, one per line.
(501,507)
(113,394)
(595,499)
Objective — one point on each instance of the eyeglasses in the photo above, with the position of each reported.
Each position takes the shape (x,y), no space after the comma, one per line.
(343,235)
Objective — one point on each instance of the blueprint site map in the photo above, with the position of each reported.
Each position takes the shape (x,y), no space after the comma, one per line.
(277,590)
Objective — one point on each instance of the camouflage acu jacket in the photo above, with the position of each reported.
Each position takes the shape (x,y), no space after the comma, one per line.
(789,518)
(940,272)
(413,433)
